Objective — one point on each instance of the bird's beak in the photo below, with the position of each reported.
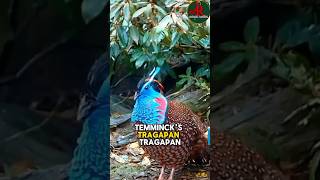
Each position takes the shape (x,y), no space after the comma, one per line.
(135,95)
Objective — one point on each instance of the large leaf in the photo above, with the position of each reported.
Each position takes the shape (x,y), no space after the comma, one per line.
(139,12)
(188,72)
(115,10)
(167,20)
(114,49)
(314,165)
(203,71)
(251,30)
(292,34)
(174,38)
(229,65)
(126,12)
(141,60)
(90,9)
(232,46)
(134,34)
(314,45)
(204,42)
(161,10)
(122,34)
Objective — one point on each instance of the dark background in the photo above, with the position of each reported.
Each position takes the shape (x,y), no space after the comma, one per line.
(46,51)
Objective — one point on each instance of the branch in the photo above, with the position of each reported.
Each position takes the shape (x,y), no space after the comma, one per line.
(34,59)
(45,121)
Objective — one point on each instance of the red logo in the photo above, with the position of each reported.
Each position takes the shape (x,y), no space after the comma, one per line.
(198,11)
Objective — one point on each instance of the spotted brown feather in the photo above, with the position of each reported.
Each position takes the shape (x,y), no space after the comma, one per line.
(232,160)
(192,132)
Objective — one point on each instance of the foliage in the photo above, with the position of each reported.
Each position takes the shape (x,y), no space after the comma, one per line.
(240,52)
(283,58)
(157,33)
(92,8)
(197,79)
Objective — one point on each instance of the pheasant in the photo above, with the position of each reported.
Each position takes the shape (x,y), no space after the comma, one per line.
(230,159)
(151,107)
(90,159)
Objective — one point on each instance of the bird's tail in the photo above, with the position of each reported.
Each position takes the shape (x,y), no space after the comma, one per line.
(200,150)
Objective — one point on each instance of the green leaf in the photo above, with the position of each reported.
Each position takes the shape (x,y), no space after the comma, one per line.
(139,12)
(142,59)
(232,46)
(204,42)
(188,72)
(208,24)
(164,23)
(123,37)
(186,39)
(292,34)
(136,54)
(139,62)
(181,81)
(160,61)
(229,64)
(156,47)
(182,25)
(251,30)
(90,9)
(174,38)
(203,71)
(146,37)
(126,12)
(314,165)
(298,38)
(114,49)
(251,54)
(114,10)
(134,34)
(284,33)
(148,10)
(179,22)
(161,10)
(314,45)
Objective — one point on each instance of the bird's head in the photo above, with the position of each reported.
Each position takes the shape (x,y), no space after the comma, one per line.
(149,86)
(150,106)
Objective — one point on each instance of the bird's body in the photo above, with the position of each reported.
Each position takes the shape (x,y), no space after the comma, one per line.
(152,108)
(191,135)
(232,160)
(91,157)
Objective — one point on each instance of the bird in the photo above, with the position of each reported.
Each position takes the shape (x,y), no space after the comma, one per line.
(91,156)
(230,159)
(152,108)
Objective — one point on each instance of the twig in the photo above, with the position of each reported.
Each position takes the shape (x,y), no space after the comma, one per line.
(123,100)
(178,92)
(45,121)
(120,80)
(35,58)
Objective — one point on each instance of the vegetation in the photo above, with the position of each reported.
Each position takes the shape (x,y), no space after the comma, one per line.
(291,54)
(159,33)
